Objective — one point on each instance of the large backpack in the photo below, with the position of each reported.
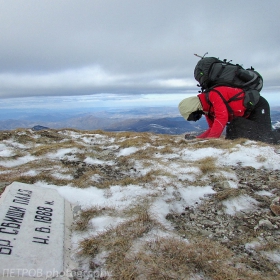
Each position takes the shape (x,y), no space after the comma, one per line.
(211,72)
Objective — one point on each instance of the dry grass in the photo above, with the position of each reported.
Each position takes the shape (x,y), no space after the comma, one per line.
(47,148)
(2,190)
(168,149)
(47,178)
(43,171)
(216,143)
(163,258)
(107,181)
(228,193)
(120,238)
(85,216)
(143,154)
(261,158)
(104,184)
(269,246)
(134,141)
(206,165)
(169,258)
(5,135)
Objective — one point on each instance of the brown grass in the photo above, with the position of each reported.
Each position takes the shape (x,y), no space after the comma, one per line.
(143,154)
(5,135)
(119,238)
(2,190)
(134,141)
(261,158)
(169,258)
(269,246)
(81,223)
(216,143)
(85,181)
(47,148)
(207,165)
(164,258)
(228,193)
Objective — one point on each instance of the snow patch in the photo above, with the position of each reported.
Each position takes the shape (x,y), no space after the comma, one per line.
(263,192)
(127,151)
(116,196)
(243,203)
(103,223)
(17,162)
(95,161)
(193,194)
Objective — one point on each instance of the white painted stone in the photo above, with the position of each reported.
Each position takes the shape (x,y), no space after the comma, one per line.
(32,232)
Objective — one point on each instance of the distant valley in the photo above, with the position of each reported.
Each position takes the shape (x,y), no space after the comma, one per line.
(162,120)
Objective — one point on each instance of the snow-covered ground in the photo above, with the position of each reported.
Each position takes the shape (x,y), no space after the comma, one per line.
(177,181)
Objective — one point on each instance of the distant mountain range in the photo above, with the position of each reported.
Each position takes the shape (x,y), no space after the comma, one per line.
(154,119)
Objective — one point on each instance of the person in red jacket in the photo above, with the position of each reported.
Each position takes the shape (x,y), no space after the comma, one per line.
(220,112)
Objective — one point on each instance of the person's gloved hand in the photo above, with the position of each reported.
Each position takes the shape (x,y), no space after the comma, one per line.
(190,136)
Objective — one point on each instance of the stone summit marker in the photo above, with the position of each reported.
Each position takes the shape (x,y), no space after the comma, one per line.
(32,232)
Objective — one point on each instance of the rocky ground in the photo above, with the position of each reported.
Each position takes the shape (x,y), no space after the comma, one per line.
(237,232)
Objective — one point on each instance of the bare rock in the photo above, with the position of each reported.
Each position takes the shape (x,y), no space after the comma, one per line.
(223,185)
(266,224)
(275,206)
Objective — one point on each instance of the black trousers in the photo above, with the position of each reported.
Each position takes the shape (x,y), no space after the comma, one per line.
(256,127)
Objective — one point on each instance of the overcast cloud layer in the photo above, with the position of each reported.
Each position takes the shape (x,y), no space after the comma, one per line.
(84,47)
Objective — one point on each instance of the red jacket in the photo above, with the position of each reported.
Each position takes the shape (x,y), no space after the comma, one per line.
(217,114)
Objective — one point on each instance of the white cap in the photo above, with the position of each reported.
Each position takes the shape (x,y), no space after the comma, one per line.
(189,105)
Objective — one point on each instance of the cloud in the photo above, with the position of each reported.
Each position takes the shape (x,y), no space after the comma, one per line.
(73,78)
(91,102)
(86,80)
(84,47)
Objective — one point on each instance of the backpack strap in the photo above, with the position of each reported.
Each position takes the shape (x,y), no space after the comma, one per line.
(209,103)
(226,102)
(235,97)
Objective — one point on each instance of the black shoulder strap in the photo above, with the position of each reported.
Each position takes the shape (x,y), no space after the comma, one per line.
(209,103)
(236,97)
(225,101)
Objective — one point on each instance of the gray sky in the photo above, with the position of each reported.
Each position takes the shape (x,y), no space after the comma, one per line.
(124,47)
